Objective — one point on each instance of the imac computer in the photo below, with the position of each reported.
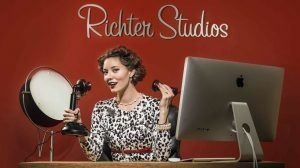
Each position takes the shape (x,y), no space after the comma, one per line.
(228,101)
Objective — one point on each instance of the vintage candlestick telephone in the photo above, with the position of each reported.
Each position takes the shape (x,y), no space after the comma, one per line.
(73,128)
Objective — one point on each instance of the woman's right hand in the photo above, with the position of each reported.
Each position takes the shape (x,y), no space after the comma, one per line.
(72,116)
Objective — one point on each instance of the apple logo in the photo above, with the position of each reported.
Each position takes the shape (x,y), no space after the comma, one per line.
(240,81)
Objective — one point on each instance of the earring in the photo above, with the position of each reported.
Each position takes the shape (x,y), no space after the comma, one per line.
(131,77)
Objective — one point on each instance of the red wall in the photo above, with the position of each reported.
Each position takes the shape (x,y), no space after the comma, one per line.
(35,33)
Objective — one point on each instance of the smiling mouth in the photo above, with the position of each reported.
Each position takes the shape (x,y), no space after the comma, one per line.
(112,84)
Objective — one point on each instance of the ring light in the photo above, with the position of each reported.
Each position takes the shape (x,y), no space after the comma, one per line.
(44,96)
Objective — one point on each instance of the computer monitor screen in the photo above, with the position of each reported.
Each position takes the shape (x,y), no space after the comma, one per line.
(209,86)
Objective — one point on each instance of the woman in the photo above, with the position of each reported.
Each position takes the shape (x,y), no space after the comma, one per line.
(134,125)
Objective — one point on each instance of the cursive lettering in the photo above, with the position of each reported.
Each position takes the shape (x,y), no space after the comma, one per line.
(186,29)
(131,26)
(134,26)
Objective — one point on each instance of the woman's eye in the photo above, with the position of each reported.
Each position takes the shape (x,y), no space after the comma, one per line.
(115,70)
(104,72)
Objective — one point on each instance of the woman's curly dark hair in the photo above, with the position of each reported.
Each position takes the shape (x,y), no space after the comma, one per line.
(128,58)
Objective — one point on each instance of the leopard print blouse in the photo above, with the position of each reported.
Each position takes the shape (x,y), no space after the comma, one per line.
(127,130)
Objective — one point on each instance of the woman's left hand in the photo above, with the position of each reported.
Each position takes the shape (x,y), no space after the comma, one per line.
(167,96)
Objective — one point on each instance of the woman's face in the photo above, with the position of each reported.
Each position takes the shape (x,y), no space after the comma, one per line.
(116,75)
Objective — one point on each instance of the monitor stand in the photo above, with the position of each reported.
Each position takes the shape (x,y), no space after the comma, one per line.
(243,120)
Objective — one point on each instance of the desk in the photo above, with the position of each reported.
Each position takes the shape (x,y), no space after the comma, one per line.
(219,164)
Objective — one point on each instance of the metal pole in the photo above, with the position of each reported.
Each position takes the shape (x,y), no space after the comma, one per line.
(51,146)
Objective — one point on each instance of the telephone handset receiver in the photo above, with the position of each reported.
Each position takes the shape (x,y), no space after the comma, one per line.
(155,87)
(73,128)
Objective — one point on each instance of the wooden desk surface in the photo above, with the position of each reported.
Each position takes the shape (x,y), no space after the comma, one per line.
(219,164)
